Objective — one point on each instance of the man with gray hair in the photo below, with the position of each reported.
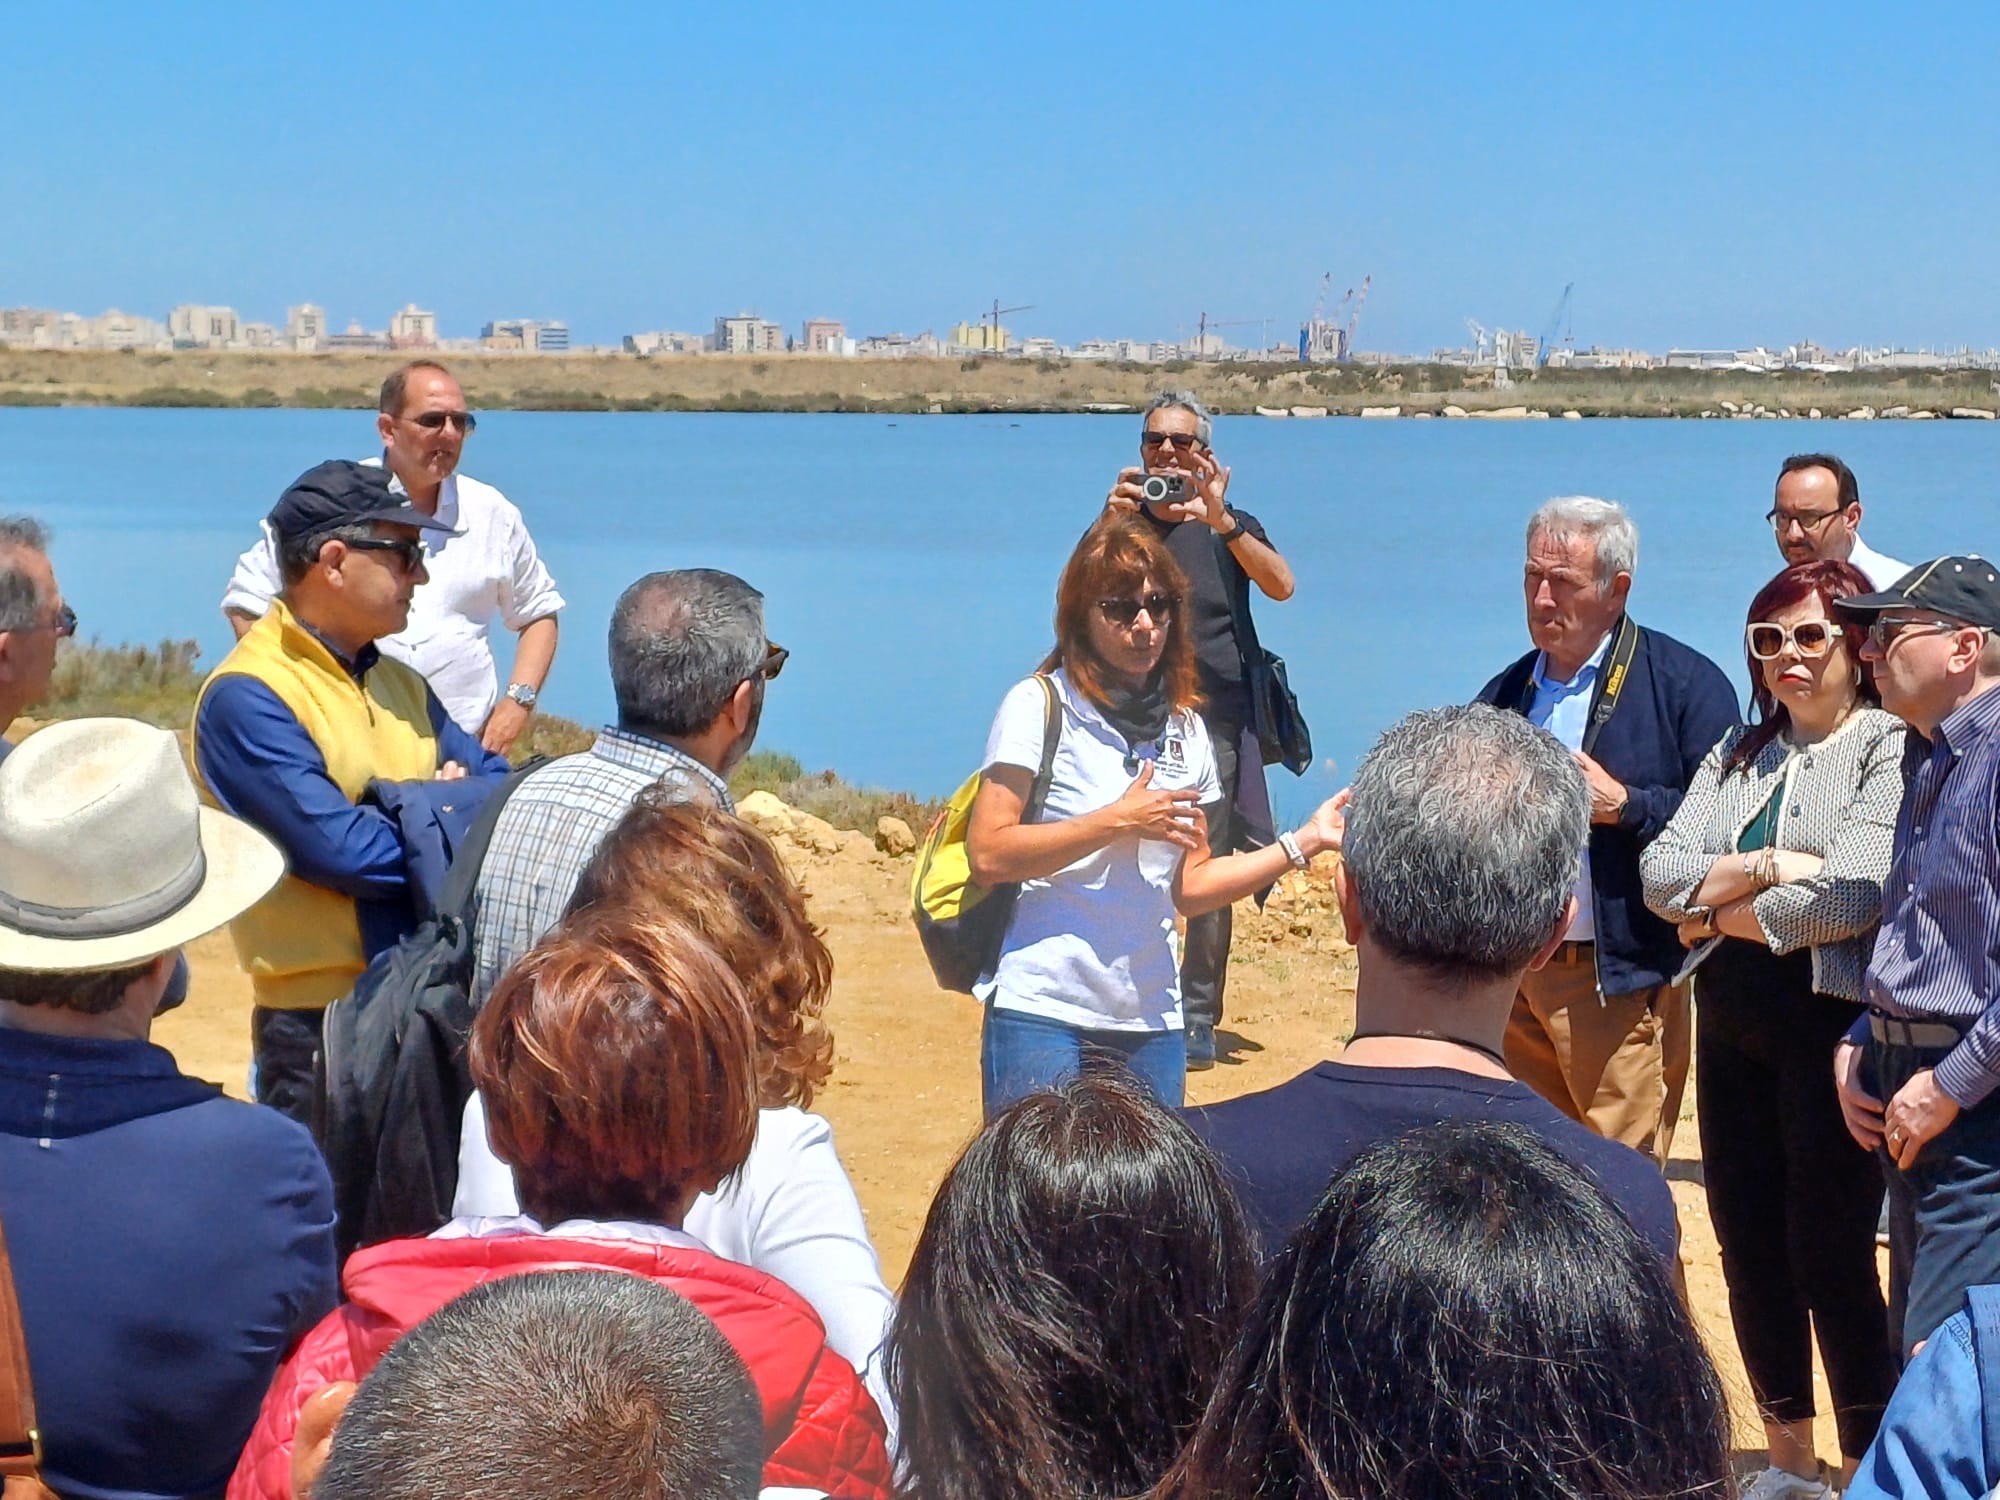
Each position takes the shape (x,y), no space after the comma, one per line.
(1602,1031)
(33,618)
(689,664)
(1464,834)
(1223,551)
(553,1383)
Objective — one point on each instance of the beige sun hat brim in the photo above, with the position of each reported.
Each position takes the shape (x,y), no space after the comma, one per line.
(242,867)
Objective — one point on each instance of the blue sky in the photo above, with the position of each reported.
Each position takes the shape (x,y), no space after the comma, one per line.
(1704,174)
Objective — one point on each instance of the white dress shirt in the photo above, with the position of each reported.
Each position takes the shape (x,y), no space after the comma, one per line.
(490,572)
(1563,709)
(1878,569)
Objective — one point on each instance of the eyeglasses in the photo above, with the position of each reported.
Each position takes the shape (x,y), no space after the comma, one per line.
(1808,524)
(1185,442)
(1125,612)
(1885,630)
(409,553)
(434,421)
(64,624)
(775,657)
(1810,638)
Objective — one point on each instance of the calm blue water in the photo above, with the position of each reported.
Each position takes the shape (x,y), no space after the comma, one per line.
(910,564)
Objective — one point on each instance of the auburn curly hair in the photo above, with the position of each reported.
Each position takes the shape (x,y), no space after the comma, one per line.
(619,1069)
(722,877)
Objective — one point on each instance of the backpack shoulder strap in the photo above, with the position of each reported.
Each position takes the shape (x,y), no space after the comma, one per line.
(1038,793)
(463,876)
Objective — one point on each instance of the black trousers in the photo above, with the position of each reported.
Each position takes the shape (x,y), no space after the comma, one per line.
(1205,949)
(1794,1200)
(284,1044)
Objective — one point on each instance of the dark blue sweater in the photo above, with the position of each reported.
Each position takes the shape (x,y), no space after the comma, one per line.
(169,1246)
(1675,705)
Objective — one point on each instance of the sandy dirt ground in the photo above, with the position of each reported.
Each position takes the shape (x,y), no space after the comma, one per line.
(904,1097)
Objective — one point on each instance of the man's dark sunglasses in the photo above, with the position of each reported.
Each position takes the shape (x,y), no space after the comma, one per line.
(775,657)
(1123,612)
(1187,442)
(411,553)
(433,421)
(64,624)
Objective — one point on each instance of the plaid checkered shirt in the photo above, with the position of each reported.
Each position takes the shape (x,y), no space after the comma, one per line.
(553,824)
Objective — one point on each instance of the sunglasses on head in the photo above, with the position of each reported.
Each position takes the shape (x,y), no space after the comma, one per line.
(434,421)
(1186,442)
(1810,638)
(409,553)
(1124,612)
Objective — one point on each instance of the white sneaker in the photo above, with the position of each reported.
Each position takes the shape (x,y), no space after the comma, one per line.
(1781,1484)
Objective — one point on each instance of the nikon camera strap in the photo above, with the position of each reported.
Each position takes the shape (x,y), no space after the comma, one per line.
(1617,668)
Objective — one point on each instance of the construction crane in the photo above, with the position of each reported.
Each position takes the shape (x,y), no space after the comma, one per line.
(1555,322)
(1353,317)
(1201,337)
(992,317)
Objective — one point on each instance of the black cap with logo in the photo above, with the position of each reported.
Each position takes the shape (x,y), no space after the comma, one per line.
(1959,588)
(341,492)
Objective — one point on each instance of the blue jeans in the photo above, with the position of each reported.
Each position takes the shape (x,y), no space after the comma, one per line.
(1020,1054)
(1944,1211)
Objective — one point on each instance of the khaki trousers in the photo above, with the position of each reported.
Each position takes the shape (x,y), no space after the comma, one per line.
(1618,1064)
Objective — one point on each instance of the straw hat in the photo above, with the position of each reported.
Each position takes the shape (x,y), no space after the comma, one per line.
(107,857)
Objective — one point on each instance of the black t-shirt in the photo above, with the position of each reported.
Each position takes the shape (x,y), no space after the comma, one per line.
(1283,1146)
(1217,653)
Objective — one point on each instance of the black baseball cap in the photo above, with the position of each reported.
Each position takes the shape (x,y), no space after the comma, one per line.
(1959,588)
(341,492)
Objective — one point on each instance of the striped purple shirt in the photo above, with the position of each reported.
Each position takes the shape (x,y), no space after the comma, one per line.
(1937,955)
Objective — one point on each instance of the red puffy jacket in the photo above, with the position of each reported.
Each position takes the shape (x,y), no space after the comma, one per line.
(821,1427)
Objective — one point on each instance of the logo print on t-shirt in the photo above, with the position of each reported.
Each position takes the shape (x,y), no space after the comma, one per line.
(1170,750)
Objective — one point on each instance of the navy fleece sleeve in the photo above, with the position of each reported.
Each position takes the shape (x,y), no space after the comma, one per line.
(262,766)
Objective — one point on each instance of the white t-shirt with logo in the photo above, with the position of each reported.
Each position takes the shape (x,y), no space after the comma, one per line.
(1093,945)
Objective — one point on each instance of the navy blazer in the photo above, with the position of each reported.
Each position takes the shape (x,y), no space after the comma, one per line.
(1675,705)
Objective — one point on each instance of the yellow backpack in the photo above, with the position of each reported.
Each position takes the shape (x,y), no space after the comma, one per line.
(962,923)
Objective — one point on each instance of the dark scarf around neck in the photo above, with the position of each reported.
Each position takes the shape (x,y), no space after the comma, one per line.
(1139,713)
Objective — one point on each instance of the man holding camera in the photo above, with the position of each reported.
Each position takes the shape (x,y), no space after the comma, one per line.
(1180,487)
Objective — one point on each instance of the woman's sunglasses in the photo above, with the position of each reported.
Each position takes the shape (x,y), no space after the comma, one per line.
(1123,612)
(1810,638)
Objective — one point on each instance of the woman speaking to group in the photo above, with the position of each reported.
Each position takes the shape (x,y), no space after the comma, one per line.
(1089,969)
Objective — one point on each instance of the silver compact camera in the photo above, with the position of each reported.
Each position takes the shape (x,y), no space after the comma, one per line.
(1163,489)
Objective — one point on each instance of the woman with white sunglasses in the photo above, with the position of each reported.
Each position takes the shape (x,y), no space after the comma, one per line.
(1773,869)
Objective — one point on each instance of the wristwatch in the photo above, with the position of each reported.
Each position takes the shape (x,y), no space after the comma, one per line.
(521,693)
(1236,527)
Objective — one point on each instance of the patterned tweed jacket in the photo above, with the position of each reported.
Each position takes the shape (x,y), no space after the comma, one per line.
(1838,800)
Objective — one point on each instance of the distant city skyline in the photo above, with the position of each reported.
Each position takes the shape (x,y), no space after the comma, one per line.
(1788,171)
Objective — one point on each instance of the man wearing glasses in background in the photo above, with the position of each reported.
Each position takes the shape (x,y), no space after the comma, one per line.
(485,567)
(1918,1074)
(1223,551)
(33,618)
(292,728)
(1816,514)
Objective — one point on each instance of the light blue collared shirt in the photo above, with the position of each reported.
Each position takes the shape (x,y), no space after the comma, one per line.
(1563,709)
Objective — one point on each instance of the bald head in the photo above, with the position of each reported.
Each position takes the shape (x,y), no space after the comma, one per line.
(682,642)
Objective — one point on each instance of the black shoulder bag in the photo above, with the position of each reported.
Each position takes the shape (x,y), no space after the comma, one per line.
(1280,727)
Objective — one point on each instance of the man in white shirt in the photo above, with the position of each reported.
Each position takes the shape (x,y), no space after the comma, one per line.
(1816,514)
(490,570)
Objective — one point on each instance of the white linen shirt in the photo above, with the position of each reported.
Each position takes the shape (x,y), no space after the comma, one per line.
(1093,945)
(1563,709)
(490,572)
